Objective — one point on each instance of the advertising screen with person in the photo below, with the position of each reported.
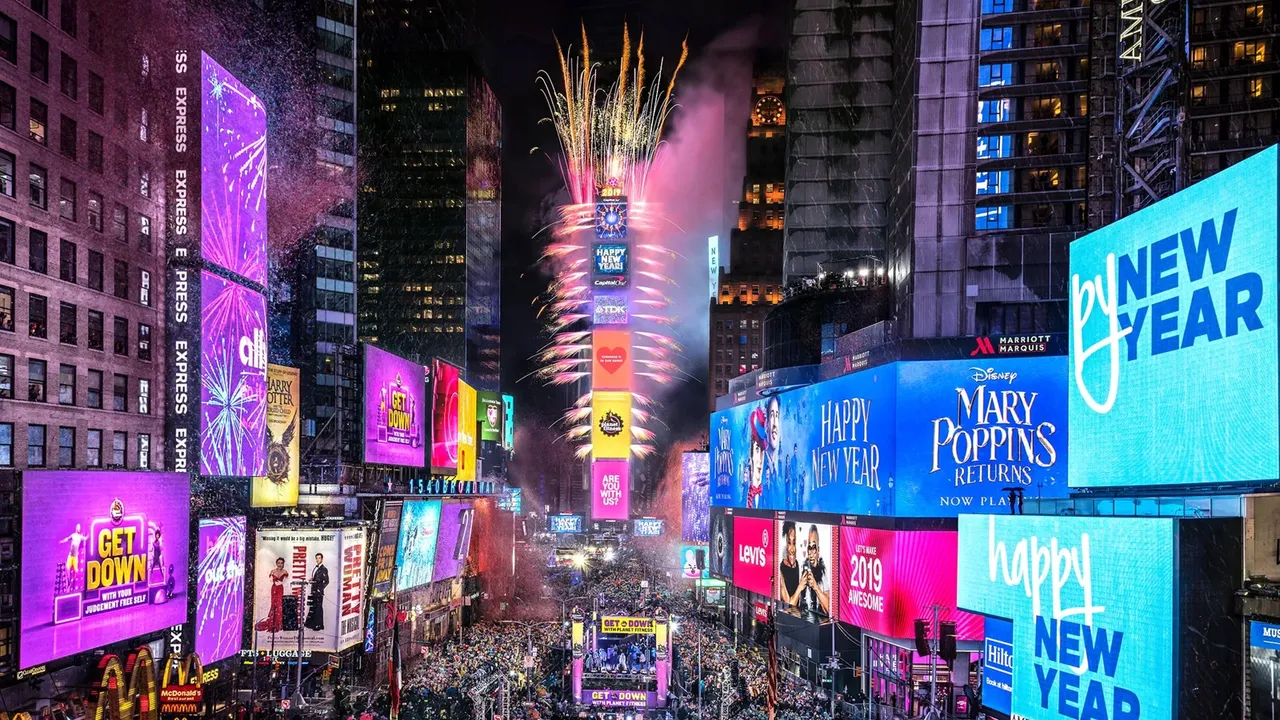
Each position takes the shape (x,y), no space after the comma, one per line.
(804,568)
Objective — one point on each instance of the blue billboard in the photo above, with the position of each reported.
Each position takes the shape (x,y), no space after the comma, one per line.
(997,665)
(1092,607)
(564,523)
(646,527)
(416,551)
(967,429)
(823,448)
(1173,338)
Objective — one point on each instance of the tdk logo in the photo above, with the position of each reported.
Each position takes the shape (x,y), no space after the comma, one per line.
(253,351)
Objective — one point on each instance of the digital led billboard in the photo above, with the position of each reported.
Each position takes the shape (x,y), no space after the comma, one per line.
(889,578)
(508,422)
(721,548)
(489,415)
(611,264)
(609,308)
(444,413)
(611,218)
(1174,378)
(466,432)
(610,490)
(695,503)
(646,527)
(332,606)
(454,540)
(1091,601)
(968,429)
(394,410)
(219,615)
(804,566)
(610,425)
(827,447)
(419,532)
(753,553)
(279,487)
(693,562)
(104,559)
(997,665)
(233,379)
(388,545)
(560,524)
(611,360)
(1264,669)
(233,173)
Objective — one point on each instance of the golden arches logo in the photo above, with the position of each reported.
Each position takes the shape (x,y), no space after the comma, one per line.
(189,671)
(136,699)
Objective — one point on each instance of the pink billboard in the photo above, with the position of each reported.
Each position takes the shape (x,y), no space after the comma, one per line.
(610,490)
(889,578)
(753,554)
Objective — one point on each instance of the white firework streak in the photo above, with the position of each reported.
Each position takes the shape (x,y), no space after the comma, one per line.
(220,579)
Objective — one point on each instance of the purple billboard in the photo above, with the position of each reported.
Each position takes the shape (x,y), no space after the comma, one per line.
(395,410)
(233,138)
(104,559)
(695,497)
(453,541)
(219,622)
(233,379)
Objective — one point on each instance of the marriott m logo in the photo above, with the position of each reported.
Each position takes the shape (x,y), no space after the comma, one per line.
(984,347)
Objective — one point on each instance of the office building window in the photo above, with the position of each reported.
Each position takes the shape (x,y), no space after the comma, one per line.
(67,332)
(6,444)
(119,441)
(93,398)
(7,300)
(93,448)
(8,253)
(67,260)
(66,384)
(1249,52)
(95,330)
(120,339)
(68,17)
(991,218)
(94,151)
(68,136)
(67,200)
(144,180)
(991,111)
(6,377)
(8,106)
(38,186)
(994,147)
(39,58)
(95,270)
(144,451)
(1000,38)
(8,169)
(38,122)
(144,341)
(70,75)
(95,210)
(38,316)
(144,233)
(120,393)
(38,251)
(120,223)
(997,75)
(97,93)
(144,290)
(144,396)
(8,39)
(66,447)
(992,7)
(144,126)
(121,279)
(35,445)
(990,183)
(37,380)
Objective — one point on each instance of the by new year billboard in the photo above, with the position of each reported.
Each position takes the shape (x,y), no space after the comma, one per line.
(1174,378)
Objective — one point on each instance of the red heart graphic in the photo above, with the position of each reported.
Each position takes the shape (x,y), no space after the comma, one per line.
(611,358)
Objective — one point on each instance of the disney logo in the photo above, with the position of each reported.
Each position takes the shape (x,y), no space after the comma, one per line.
(991,374)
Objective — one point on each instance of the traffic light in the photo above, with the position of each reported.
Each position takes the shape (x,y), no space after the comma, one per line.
(922,638)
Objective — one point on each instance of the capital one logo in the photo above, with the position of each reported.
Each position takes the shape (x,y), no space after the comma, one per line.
(755,555)
(253,351)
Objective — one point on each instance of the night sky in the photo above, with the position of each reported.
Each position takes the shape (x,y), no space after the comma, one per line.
(517,41)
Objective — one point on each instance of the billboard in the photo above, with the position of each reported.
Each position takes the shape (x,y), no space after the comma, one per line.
(489,415)
(713,264)
(1264,669)
(394,409)
(695,504)
(233,378)
(805,564)
(628,625)
(416,549)
(753,554)
(1173,338)
(332,606)
(610,308)
(466,432)
(564,523)
(444,418)
(611,360)
(508,422)
(279,487)
(611,218)
(997,665)
(1091,602)
(968,429)
(104,559)
(233,140)
(693,562)
(610,490)
(890,578)
(721,548)
(219,619)
(646,527)
(388,545)
(822,448)
(611,265)
(610,424)
(454,540)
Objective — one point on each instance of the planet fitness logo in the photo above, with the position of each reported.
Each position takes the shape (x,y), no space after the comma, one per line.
(611,424)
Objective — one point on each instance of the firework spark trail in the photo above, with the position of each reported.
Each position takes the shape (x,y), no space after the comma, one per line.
(220,578)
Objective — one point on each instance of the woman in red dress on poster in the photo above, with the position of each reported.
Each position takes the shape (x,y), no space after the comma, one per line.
(274,621)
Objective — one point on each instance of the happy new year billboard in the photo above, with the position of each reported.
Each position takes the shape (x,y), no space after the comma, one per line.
(395,410)
(104,559)
(1174,378)
(1091,601)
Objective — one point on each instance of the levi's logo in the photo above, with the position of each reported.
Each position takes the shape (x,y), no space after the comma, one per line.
(751,555)
(611,358)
